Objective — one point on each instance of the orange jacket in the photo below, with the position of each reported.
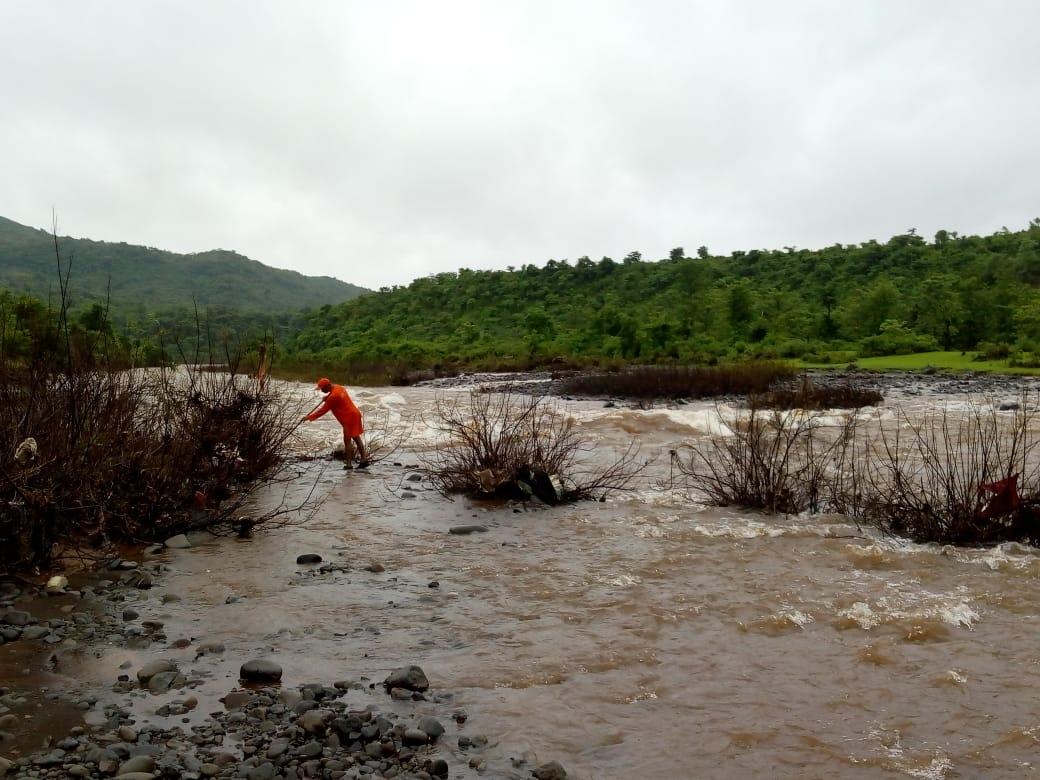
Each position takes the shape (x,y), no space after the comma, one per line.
(338,401)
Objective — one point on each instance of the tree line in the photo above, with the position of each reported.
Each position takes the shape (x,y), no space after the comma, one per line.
(908,294)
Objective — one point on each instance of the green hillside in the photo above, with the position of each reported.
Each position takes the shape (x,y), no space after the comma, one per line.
(908,294)
(143,278)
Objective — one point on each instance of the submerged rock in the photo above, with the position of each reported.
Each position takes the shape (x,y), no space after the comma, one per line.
(308,558)
(463,530)
(178,542)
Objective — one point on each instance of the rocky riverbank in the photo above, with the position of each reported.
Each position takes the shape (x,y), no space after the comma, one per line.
(896,384)
(151,720)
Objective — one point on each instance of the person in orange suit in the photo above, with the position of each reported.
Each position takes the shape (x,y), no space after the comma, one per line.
(338,401)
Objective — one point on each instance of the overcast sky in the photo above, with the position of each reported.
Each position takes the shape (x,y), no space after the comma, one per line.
(381,141)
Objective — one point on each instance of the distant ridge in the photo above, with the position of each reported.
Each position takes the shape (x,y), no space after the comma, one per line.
(140,276)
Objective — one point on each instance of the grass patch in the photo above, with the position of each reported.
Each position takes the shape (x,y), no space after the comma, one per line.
(953,361)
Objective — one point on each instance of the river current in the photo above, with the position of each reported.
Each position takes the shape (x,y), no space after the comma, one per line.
(645,636)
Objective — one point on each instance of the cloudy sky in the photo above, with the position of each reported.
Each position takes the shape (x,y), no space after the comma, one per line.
(381,141)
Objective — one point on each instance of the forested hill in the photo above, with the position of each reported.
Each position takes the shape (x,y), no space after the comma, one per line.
(909,293)
(144,278)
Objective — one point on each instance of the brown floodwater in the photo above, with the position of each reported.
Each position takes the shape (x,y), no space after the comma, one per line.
(647,636)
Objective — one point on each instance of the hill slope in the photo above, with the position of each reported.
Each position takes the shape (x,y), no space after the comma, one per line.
(152,278)
(906,294)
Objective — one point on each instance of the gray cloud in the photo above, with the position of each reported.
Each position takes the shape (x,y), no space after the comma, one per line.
(378,142)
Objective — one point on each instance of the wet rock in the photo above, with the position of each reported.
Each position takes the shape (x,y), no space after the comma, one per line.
(434,584)
(261,670)
(149,670)
(163,681)
(313,722)
(431,726)
(375,568)
(308,558)
(130,614)
(439,767)
(410,678)
(178,542)
(34,632)
(550,771)
(407,494)
(464,530)
(14,617)
(77,770)
(210,648)
(127,734)
(56,585)
(414,737)
(413,476)
(144,764)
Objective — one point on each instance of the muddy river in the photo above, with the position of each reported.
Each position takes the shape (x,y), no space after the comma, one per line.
(646,636)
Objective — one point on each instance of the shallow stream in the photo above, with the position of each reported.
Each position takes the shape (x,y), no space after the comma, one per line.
(647,636)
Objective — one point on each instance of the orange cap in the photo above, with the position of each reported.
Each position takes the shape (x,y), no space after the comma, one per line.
(324,384)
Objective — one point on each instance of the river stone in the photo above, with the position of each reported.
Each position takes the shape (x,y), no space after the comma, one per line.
(410,677)
(210,648)
(261,670)
(414,737)
(149,670)
(162,682)
(375,568)
(313,722)
(5,766)
(308,558)
(136,776)
(77,770)
(431,726)
(127,734)
(463,530)
(130,614)
(144,764)
(439,767)
(35,632)
(550,771)
(276,748)
(15,617)
(178,542)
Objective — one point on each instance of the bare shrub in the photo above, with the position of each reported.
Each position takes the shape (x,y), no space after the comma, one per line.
(772,460)
(513,446)
(681,381)
(809,395)
(91,453)
(927,479)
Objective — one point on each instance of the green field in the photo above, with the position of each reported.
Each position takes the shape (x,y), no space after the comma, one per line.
(942,361)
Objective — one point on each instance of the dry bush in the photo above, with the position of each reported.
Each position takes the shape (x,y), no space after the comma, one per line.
(923,478)
(513,446)
(773,461)
(92,453)
(809,395)
(681,381)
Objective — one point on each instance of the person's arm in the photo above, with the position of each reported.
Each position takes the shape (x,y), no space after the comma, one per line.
(321,410)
